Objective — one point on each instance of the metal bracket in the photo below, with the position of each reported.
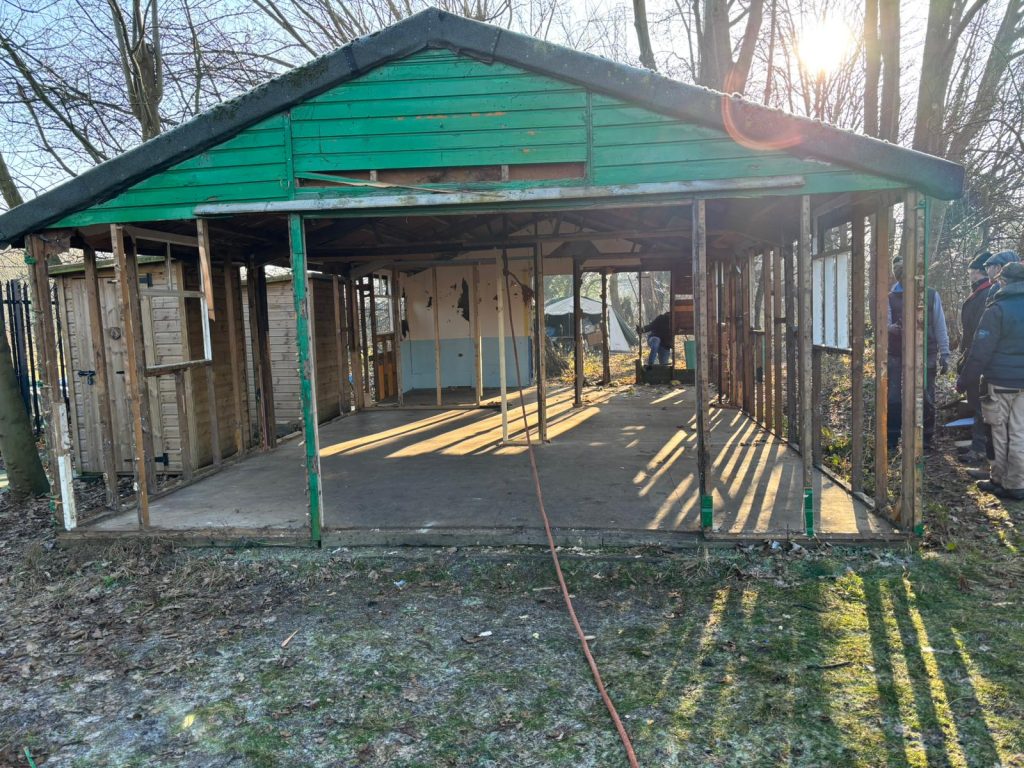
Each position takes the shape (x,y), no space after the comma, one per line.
(89,376)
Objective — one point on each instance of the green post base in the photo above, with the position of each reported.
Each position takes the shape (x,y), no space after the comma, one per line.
(707,512)
(809,512)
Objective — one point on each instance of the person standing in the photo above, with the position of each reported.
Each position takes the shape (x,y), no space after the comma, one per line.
(659,339)
(997,354)
(970,316)
(937,361)
(994,266)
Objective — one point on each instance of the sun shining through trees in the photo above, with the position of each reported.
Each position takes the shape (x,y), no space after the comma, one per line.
(824,45)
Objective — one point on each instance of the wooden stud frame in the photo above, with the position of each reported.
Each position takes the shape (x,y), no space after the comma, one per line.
(804,342)
(307,371)
(606,368)
(913,363)
(577,332)
(478,352)
(437,335)
(880,232)
(101,387)
(55,416)
(857,276)
(700,267)
(131,317)
(396,328)
(538,340)
(779,327)
(502,286)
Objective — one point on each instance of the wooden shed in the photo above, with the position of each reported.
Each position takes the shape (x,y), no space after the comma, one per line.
(420,183)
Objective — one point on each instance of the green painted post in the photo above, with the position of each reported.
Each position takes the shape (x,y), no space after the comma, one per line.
(809,512)
(304,334)
(707,512)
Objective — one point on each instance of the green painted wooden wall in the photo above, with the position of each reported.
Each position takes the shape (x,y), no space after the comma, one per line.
(437,109)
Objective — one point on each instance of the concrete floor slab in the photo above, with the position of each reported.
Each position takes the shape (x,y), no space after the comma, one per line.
(626,461)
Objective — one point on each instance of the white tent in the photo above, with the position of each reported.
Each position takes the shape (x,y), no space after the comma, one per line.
(618,332)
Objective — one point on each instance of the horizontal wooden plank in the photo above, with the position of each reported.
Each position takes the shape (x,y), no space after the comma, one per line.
(211,177)
(657,154)
(214,192)
(555,153)
(447,105)
(445,141)
(443,85)
(641,134)
(400,126)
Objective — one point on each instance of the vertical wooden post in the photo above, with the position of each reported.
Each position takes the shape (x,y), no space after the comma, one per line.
(793,415)
(101,387)
(501,285)
(606,365)
(816,404)
(355,346)
(913,363)
(205,268)
(577,331)
(344,330)
(372,345)
(768,358)
(478,352)
(184,432)
(260,310)
(307,372)
(339,342)
(857,276)
(396,324)
(779,330)
(437,334)
(748,347)
(237,366)
(538,338)
(880,231)
(804,345)
(699,259)
(55,415)
(135,370)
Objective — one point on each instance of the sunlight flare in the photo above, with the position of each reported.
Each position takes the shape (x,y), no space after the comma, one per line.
(824,45)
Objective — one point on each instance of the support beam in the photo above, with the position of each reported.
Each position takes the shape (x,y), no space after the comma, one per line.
(606,366)
(914,370)
(502,290)
(396,326)
(378,380)
(339,345)
(437,334)
(135,371)
(184,429)
(793,415)
(880,232)
(264,382)
(478,352)
(779,328)
(804,342)
(857,277)
(205,268)
(767,350)
(744,317)
(55,415)
(538,340)
(101,386)
(212,415)
(577,331)
(234,348)
(355,346)
(700,299)
(307,372)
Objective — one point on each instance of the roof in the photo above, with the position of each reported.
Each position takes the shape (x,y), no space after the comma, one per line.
(747,122)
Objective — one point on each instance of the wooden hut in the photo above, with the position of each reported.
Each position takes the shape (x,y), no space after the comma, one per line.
(449,166)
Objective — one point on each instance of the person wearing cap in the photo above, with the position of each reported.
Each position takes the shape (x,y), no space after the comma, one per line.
(970,316)
(938,357)
(994,266)
(997,354)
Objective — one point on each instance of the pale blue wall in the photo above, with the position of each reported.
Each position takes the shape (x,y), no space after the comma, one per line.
(457,363)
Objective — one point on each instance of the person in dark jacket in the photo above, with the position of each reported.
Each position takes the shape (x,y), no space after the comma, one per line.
(994,266)
(997,353)
(970,316)
(659,339)
(938,358)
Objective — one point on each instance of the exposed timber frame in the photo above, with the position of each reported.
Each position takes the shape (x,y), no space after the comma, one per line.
(700,268)
(307,372)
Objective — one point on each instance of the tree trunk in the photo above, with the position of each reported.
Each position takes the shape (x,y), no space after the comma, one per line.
(872,67)
(643,34)
(889,35)
(25,475)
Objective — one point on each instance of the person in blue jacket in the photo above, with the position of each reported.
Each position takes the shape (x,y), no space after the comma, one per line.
(997,354)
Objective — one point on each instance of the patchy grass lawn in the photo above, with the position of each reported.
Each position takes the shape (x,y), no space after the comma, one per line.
(150,656)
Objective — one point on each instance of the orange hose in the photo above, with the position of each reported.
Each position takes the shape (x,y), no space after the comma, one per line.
(626,743)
